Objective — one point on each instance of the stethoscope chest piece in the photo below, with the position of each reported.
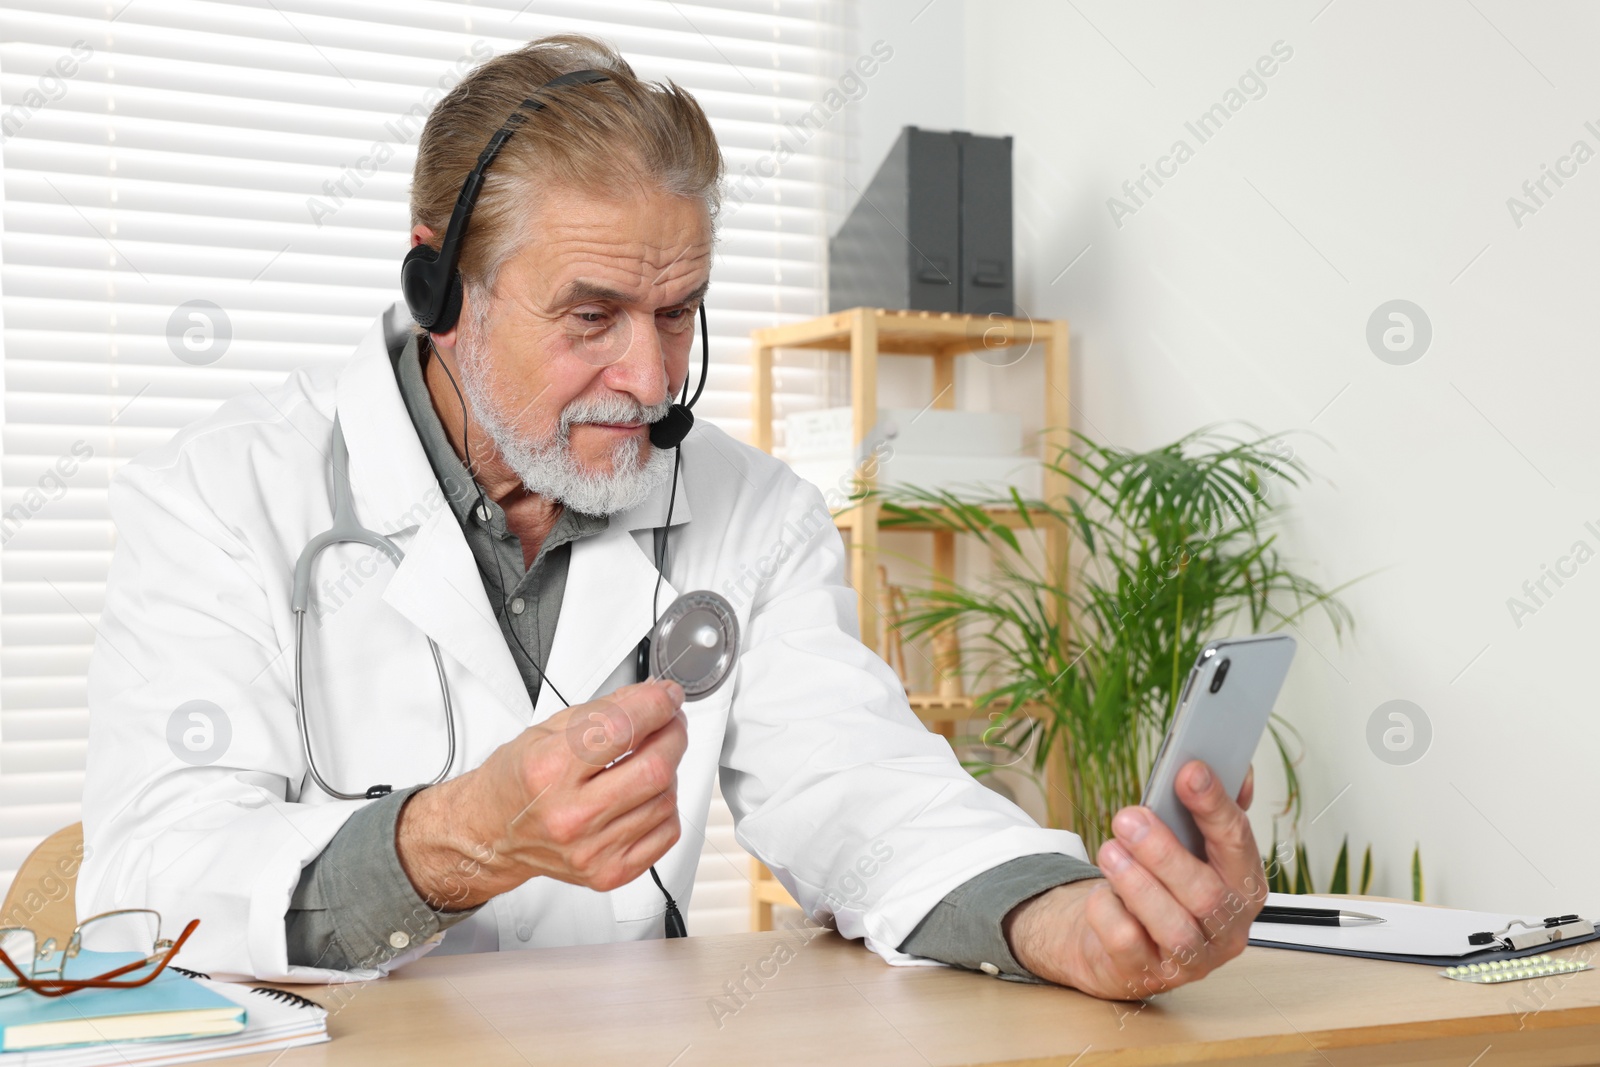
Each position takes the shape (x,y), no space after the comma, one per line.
(696,643)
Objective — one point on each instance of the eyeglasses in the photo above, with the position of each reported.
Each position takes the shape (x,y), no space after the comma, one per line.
(41,968)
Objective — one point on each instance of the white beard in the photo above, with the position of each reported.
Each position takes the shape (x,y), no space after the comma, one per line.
(550,468)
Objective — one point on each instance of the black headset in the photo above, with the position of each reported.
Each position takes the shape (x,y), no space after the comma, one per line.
(431,280)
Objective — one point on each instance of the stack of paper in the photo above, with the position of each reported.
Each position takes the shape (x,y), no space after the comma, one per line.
(976,455)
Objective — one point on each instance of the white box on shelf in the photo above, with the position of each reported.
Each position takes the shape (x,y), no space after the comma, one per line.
(970,478)
(811,432)
(911,431)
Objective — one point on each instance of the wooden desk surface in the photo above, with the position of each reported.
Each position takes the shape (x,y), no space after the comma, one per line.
(829,1001)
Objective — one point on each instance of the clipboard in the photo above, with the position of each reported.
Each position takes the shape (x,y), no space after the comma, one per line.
(1422,934)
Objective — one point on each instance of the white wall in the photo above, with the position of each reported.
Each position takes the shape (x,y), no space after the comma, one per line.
(922,84)
(1376,166)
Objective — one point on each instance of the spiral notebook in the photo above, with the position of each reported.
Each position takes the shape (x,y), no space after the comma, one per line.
(277,1020)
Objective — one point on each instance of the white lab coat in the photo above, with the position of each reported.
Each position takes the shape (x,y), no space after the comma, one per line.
(860,812)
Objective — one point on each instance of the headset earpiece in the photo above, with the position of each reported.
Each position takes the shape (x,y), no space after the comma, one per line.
(432,290)
(429,278)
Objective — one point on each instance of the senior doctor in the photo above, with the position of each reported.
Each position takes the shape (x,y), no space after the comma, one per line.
(506,455)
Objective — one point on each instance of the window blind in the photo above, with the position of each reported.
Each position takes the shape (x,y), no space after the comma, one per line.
(201,195)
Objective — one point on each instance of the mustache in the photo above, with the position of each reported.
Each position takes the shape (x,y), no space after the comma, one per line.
(610,408)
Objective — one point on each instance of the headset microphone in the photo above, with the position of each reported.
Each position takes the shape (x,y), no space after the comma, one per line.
(670,430)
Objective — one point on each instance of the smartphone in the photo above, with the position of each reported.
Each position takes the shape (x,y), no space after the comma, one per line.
(1220,719)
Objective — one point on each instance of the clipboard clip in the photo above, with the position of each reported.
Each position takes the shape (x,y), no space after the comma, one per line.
(1556,928)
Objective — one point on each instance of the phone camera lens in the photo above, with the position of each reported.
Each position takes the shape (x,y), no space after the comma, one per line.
(1220,675)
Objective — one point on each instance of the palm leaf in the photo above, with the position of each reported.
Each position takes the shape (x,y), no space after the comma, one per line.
(1339,884)
(1272,862)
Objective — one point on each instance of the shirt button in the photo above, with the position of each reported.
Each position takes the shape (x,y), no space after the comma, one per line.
(399,939)
(483,512)
(517,605)
(988,968)
(524,932)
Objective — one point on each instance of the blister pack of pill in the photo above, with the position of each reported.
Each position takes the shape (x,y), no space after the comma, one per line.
(1514,970)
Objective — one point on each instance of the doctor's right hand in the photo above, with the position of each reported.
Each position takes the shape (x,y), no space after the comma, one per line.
(589,796)
(1161,917)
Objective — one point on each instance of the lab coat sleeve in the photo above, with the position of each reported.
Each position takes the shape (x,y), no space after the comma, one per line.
(967,928)
(864,815)
(189,815)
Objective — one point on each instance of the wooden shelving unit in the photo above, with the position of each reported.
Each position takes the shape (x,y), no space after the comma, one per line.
(943,337)
(866,334)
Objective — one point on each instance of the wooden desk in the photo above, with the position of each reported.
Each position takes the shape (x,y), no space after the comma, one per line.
(651,1004)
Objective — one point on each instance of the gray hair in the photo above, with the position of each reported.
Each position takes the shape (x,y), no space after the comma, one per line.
(609,136)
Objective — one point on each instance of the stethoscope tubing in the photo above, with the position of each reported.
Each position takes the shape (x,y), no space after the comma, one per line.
(346,529)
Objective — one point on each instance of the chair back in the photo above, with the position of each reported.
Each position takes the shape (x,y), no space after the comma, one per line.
(43,897)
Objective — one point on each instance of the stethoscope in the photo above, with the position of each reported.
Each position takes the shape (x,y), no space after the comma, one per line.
(347,529)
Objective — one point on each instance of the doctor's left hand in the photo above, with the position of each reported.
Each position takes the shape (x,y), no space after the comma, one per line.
(1161,917)
(589,796)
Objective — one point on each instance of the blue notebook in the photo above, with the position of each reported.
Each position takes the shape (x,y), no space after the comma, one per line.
(172,1006)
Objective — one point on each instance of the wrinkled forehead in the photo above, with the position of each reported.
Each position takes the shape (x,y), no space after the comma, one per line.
(648,248)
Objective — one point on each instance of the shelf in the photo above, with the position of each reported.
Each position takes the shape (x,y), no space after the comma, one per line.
(910,333)
(935,708)
(1008,517)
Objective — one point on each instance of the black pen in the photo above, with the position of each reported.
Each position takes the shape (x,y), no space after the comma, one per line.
(1316,917)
